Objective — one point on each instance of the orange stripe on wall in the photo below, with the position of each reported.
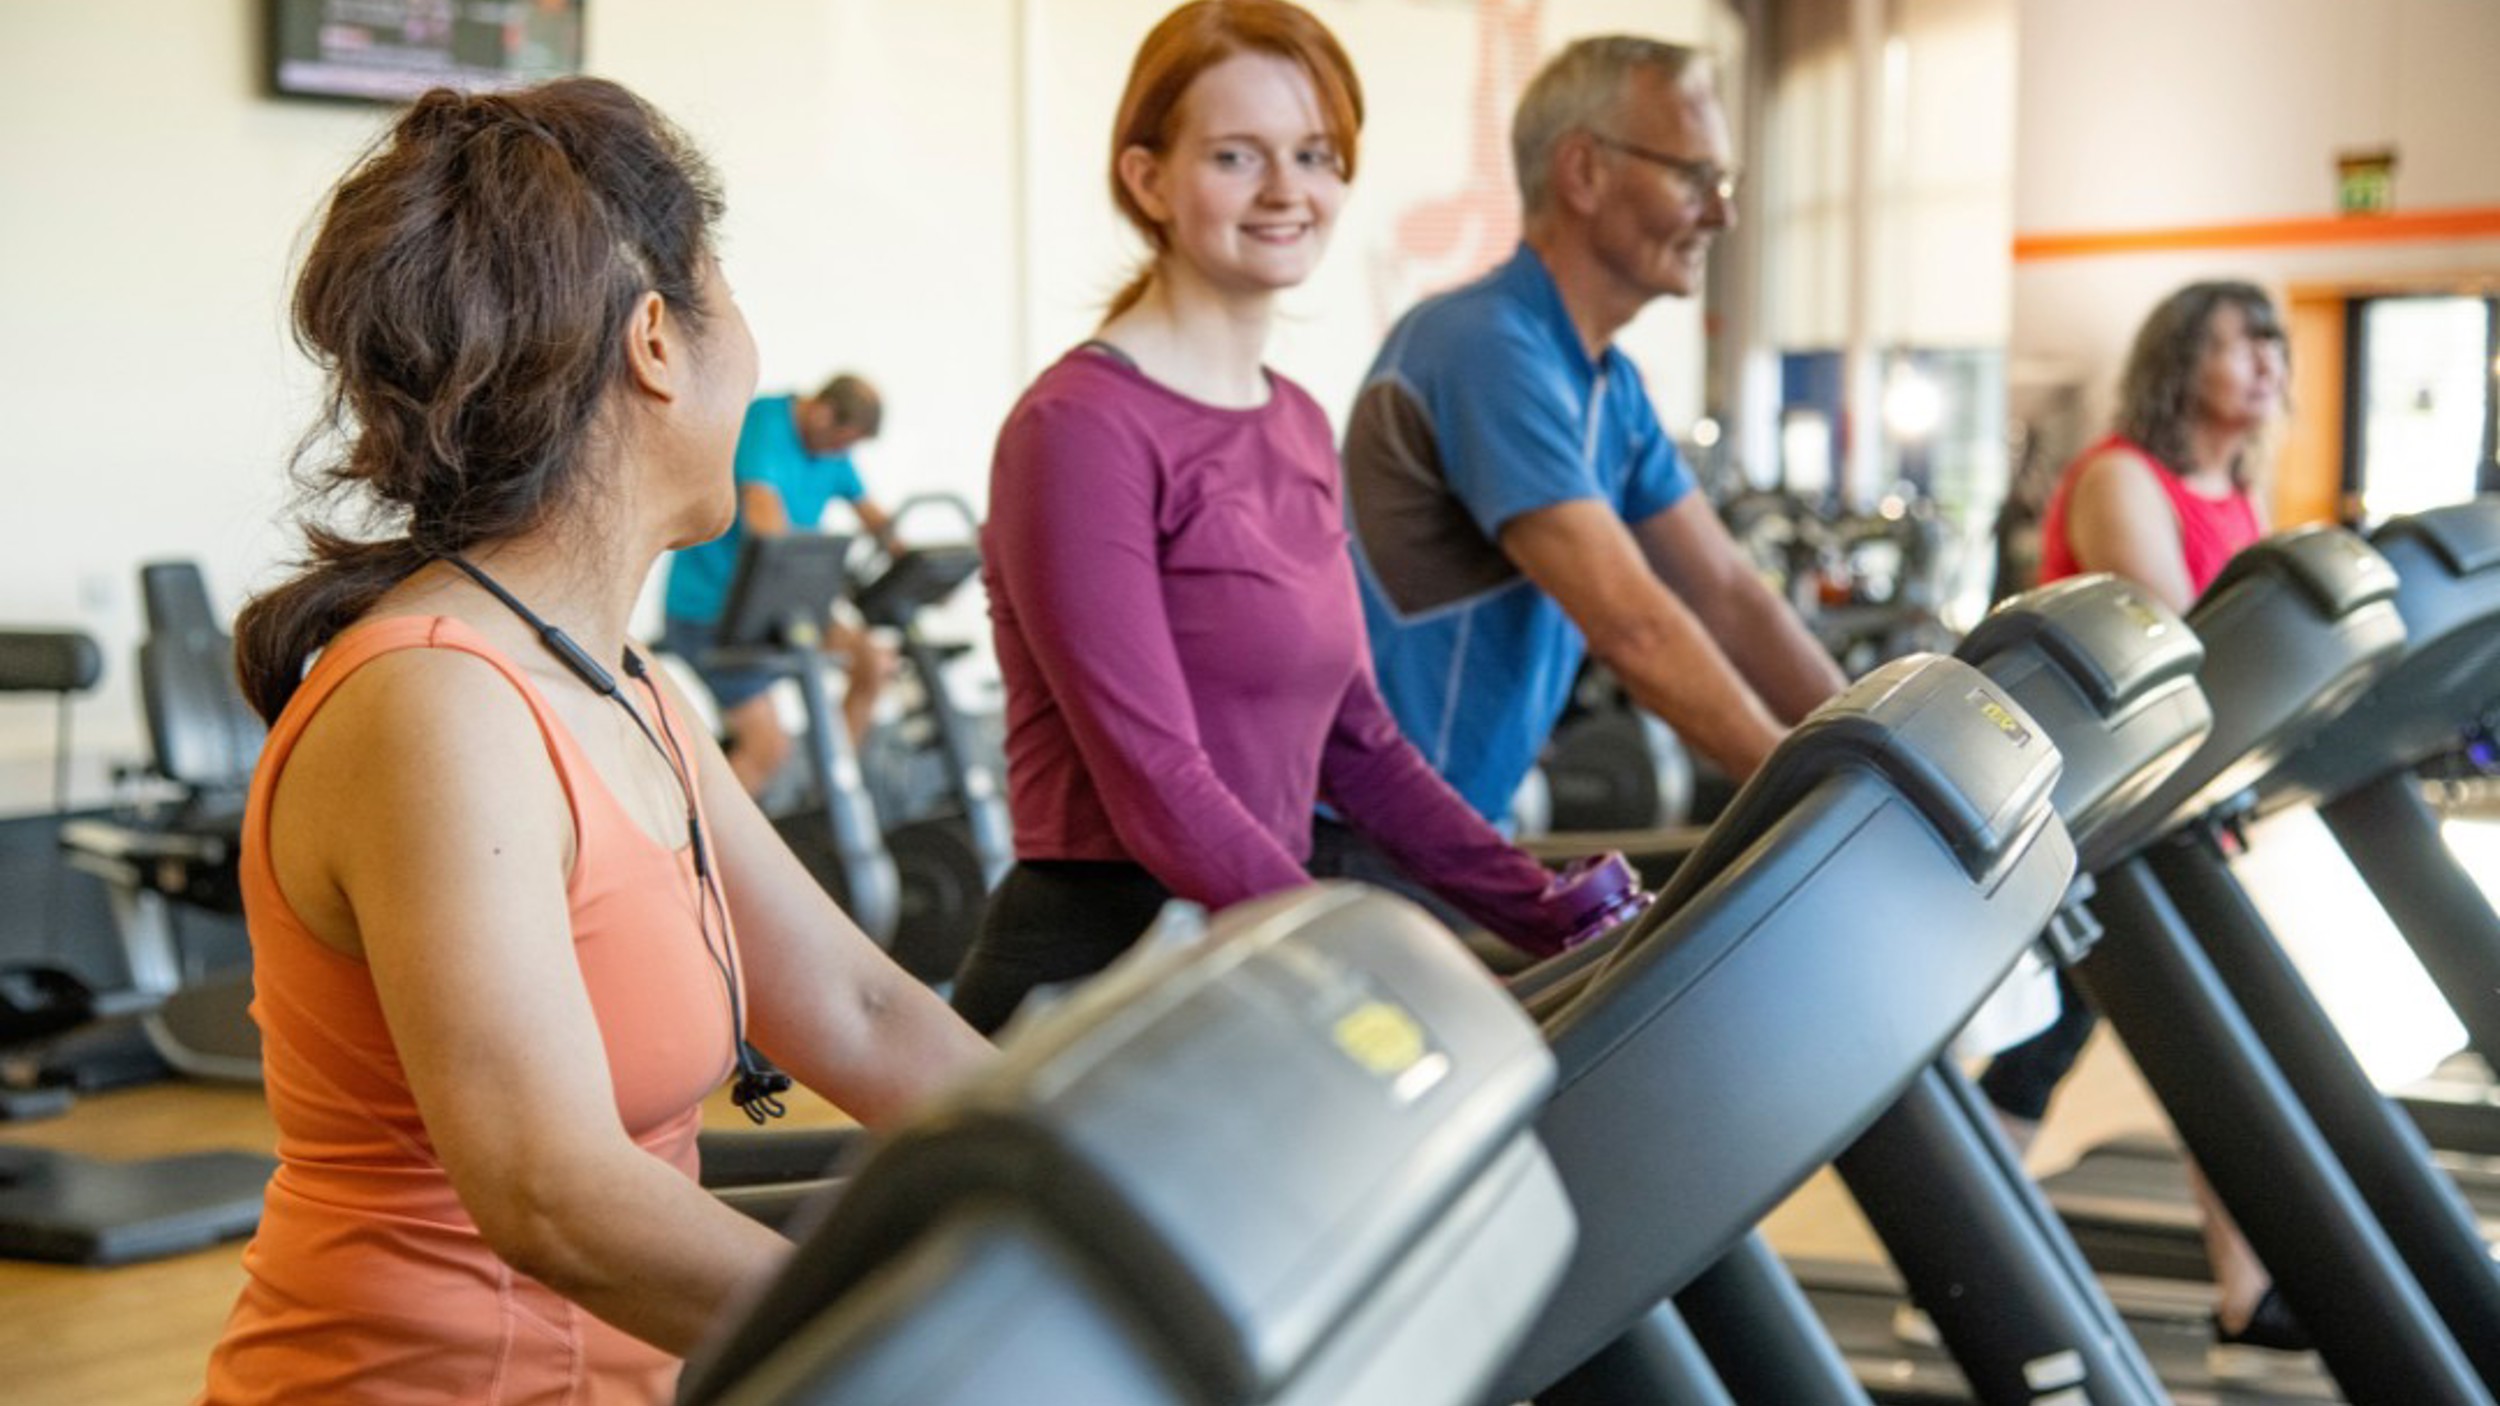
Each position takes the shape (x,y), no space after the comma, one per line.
(2476,223)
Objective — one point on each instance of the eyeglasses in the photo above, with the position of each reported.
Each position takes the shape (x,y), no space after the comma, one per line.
(1706,178)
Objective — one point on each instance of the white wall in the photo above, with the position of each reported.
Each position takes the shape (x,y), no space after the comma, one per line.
(146,384)
(2234,116)
(1943,175)
(915,191)
(864,147)
(1424,69)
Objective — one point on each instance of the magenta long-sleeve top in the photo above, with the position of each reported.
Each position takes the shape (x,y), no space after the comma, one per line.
(1183,651)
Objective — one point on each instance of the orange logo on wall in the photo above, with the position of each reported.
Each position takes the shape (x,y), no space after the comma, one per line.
(1444,241)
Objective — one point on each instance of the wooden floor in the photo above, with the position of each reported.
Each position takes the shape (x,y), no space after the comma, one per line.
(139,1334)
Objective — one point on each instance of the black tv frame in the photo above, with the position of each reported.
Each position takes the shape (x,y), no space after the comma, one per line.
(392,84)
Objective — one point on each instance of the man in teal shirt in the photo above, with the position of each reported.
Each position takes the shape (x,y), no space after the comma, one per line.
(794,458)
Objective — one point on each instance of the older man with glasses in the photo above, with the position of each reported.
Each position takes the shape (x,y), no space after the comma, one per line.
(1513,500)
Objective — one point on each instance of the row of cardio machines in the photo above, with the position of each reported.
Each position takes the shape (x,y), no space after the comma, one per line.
(2332,672)
(1305,1162)
(1324,1157)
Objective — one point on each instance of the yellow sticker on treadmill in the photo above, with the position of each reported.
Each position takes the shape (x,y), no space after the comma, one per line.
(1380,1037)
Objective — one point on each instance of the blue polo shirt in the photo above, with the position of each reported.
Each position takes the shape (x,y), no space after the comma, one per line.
(1483,406)
(769,451)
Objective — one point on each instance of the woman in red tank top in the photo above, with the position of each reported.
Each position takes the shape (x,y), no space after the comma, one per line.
(2164,502)
(513,919)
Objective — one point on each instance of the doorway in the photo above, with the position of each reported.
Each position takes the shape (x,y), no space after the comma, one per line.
(2420,411)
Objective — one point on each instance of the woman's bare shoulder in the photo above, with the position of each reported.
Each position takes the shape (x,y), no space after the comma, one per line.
(430,729)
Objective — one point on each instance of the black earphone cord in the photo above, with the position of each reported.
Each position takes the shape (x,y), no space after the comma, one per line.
(758,1088)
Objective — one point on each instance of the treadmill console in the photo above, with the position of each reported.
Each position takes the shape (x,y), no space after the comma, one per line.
(2111,674)
(2447,569)
(1291,1164)
(1956,746)
(2296,627)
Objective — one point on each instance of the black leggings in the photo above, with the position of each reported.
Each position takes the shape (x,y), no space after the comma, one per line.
(2020,1080)
(1052,920)
(1340,851)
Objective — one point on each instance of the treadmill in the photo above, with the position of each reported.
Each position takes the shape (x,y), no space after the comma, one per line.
(1857,1300)
(2443,698)
(1904,829)
(2367,1244)
(2129,1207)
(2128,1200)
(1869,887)
(1293,1165)
(2110,674)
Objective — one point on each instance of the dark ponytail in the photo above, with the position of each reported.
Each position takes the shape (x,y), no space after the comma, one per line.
(466,296)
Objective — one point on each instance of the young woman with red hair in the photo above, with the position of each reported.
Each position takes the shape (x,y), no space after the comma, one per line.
(1166,556)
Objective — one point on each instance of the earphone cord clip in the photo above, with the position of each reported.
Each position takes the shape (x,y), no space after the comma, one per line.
(759,1087)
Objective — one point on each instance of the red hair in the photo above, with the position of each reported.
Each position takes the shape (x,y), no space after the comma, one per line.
(1197,37)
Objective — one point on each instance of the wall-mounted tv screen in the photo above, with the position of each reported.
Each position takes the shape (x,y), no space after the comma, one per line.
(392,50)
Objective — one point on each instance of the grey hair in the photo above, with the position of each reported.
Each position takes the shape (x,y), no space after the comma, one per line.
(1583,86)
(2157,391)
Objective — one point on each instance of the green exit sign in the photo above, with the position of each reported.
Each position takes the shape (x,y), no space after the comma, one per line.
(2365,182)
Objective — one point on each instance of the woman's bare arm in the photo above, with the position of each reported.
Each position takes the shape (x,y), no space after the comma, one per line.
(823,1001)
(2118,520)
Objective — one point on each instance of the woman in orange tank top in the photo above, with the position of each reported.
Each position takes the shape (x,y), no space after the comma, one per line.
(512,918)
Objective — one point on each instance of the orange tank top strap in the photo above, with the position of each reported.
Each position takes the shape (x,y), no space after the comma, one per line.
(361,644)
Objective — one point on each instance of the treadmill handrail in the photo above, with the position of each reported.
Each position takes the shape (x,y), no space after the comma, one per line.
(1853,922)
(2296,627)
(2465,535)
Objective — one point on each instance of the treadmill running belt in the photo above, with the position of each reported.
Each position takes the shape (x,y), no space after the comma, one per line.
(1857,1301)
(2127,1204)
(2457,1107)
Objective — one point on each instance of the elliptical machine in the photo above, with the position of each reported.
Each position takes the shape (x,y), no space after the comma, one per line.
(935,775)
(780,600)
